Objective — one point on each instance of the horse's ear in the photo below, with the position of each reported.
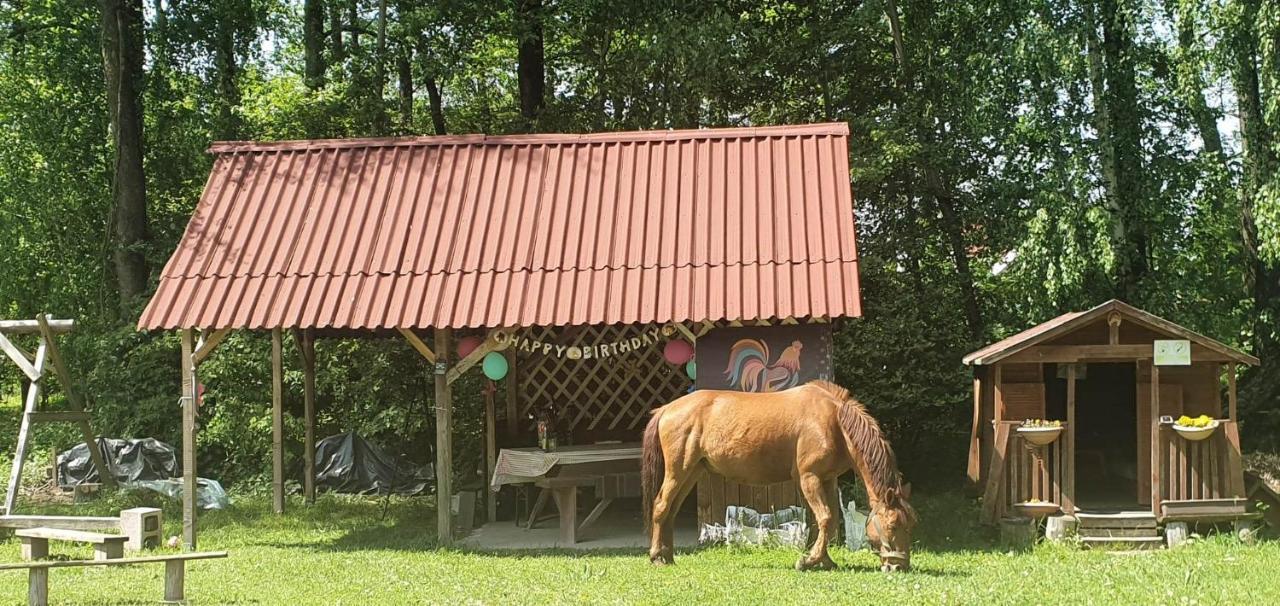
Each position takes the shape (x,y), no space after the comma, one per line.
(906,491)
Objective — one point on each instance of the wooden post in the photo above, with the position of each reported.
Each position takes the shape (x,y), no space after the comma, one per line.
(513,393)
(1155,439)
(188,441)
(105,474)
(1231,391)
(24,430)
(174,573)
(277,424)
(307,346)
(1069,491)
(490,453)
(444,440)
(38,586)
(997,382)
(975,432)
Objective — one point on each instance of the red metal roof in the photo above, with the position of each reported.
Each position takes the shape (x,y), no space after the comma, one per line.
(471,231)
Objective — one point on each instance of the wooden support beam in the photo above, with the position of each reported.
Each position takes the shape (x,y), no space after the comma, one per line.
(24,433)
(997,383)
(188,402)
(277,423)
(417,344)
(31,327)
(1113,325)
(306,342)
(1069,450)
(105,473)
(19,358)
(1064,354)
(1155,440)
(513,393)
(490,344)
(444,440)
(208,344)
(490,453)
(688,334)
(974,469)
(1231,391)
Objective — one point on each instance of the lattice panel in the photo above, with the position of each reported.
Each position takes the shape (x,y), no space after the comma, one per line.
(599,395)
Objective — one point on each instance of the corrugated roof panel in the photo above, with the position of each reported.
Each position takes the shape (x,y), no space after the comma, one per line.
(501,231)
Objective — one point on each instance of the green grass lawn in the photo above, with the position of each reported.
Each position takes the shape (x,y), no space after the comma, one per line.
(342,551)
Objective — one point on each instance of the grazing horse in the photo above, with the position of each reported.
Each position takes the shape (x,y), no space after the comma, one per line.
(810,434)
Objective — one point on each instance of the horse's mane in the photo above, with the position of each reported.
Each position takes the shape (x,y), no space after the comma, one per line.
(883,478)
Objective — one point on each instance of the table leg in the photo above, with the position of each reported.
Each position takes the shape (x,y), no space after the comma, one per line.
(567,502)
(595,513)
(538,505)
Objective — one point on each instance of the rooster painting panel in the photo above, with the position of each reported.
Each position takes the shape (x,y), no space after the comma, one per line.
(764,358)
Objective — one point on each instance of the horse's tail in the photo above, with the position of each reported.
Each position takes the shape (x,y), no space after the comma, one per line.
(652,469)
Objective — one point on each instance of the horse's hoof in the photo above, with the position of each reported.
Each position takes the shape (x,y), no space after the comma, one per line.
(661,560)
(804,564)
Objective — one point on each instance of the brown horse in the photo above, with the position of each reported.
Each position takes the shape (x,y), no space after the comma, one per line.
(810,434)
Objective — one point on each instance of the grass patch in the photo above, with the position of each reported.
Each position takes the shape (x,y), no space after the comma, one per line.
(343,551)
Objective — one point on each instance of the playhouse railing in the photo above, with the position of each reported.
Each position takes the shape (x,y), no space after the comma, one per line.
(1206,470)
(1022,472)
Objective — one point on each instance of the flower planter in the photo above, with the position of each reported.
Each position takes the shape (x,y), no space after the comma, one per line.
(1036,509)
(1039,436)
(1195,434)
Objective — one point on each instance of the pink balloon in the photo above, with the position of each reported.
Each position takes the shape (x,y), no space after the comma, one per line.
(466,345)
(677,351)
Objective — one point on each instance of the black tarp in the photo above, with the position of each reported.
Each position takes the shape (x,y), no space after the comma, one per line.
(348,463)
(130,460)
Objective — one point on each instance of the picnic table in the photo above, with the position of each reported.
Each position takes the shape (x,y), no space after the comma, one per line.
(612,469)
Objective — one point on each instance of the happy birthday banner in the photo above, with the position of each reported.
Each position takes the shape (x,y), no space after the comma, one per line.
(648,338)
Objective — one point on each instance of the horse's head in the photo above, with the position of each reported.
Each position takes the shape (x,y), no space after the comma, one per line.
(889,529)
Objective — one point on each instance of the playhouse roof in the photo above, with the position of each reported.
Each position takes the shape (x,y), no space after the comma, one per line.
(1072,321)
(472,231)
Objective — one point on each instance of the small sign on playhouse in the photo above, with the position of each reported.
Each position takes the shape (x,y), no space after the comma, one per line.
(1173,352)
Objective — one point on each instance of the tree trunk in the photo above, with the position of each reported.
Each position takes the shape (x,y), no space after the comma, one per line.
(122,42)
(944,198)
(1124,140)
(404,73)
(313,43)
(353,23)
(227,67)
(380,120)
(1189,68)
(1259,168)
(437,105)
(531,68)
(338,49)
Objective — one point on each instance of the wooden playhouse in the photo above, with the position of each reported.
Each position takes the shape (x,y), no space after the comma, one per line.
(1116,379)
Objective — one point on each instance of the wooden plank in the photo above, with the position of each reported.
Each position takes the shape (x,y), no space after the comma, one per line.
(18,358)
(73,522)
(208,344)
(1231,391)
(24,433)
(995,474)
(490,453)
(106,474)
(1069,488)
(74,536)
(1235,468)
(997,382)
(30,327)
(189,512)
(277,422)
(306,341)
(1154,454)
(512,384)
(1063,354)
(444,441)
(174,580)
(170,557)
(38,587)
(417,344)
(974,469)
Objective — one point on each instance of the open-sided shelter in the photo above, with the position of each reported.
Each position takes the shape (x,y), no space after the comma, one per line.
(578,241)
(1116,378)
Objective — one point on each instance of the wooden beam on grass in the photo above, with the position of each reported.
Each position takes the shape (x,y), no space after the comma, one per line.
(277,423)
(306,341)
(417,344)
(19,358)
(444,441)
(105,473)
(188,402)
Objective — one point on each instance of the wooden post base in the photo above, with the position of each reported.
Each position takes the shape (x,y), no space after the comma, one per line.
(1059,528)
(1017,533)
(35,548)
(174,573)
(1175,534)
(38,587)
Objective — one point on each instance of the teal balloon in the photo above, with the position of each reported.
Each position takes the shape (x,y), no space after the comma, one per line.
(691,369)
(494,365)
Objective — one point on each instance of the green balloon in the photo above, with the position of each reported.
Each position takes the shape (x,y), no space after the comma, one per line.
(494,365)
(691,369)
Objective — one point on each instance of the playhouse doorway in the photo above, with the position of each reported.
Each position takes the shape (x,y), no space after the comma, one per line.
(1106,442)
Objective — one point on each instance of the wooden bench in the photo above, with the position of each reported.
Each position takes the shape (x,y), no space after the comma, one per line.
(35,542)
(174,572)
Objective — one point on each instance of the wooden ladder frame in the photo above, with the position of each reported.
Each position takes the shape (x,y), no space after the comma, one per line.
(35,367)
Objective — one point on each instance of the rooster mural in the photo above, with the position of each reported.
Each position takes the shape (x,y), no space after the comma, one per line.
(749,368)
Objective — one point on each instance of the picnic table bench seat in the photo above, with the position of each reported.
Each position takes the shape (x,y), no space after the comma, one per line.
(35,542)
(174,572)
